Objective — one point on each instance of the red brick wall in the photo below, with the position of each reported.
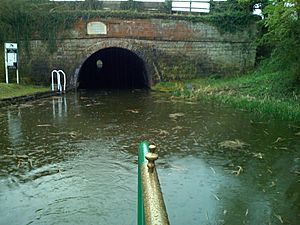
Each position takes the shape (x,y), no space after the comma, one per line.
(161,29)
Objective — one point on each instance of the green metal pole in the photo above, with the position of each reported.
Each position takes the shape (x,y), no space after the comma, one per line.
(143,150)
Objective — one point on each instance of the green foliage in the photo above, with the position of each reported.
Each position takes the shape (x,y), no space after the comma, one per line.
(232,15)
(232,22)
(92,5)
(21,20)
(16,17)
(131,5)
(232,6)
(283,32)
(166,7)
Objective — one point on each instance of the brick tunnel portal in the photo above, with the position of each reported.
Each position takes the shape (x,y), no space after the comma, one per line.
(113,68)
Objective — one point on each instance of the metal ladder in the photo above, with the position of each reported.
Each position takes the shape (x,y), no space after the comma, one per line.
(60,87)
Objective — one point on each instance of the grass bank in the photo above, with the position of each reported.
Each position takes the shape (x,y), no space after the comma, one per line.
(272,94)
(16,90)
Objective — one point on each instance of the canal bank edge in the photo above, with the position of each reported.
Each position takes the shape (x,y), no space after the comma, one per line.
(26,98)
(264,94)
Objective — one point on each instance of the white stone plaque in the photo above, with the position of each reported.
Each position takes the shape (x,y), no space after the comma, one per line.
(96,28)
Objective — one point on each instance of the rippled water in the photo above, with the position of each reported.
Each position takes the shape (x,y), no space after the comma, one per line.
(73,160)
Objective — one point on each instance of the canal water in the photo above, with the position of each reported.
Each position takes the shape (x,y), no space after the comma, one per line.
(73,160)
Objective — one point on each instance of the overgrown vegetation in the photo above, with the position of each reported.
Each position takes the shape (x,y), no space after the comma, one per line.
(273,94)
(282,23)
(131,5)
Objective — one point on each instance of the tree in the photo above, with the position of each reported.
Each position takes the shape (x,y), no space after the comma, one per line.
(283,33)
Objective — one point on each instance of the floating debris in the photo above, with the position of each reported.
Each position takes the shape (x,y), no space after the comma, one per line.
(16,156)
(236,144)
(22,156)
(298,134)
(25,106)
(190,103)
(58,133)
(177,128)
(279,218)
(247,212)
(216,197)
(30,163)
(163,133)
(207,217)
(213,170)
(258,155)
(176,115)
(43,125)
(20,163)
(132,111)
(73,134)
(178,168)
(195,142)
(279,139)
(238,172)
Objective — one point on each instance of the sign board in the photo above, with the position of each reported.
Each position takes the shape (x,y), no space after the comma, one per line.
(11,58)
(96,28)
(11,50)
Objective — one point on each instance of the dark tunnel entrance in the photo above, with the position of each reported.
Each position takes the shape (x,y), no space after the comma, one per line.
(113,68)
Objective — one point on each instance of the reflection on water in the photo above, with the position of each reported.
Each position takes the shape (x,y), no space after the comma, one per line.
(59,106)
(14,127)
(72,160)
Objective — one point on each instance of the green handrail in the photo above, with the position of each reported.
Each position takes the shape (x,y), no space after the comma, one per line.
(151,206)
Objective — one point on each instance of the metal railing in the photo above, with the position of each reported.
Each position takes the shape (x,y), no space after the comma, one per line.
(201,6)
(151,206)
(168,6)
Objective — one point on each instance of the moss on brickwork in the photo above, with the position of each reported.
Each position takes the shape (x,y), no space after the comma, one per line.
(178,67)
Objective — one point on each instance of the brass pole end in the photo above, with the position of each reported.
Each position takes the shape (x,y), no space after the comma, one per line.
(152,148)
(151,157)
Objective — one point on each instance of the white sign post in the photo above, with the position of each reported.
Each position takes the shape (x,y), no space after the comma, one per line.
(11,59)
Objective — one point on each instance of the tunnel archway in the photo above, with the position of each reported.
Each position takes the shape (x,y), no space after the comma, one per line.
(113,68)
